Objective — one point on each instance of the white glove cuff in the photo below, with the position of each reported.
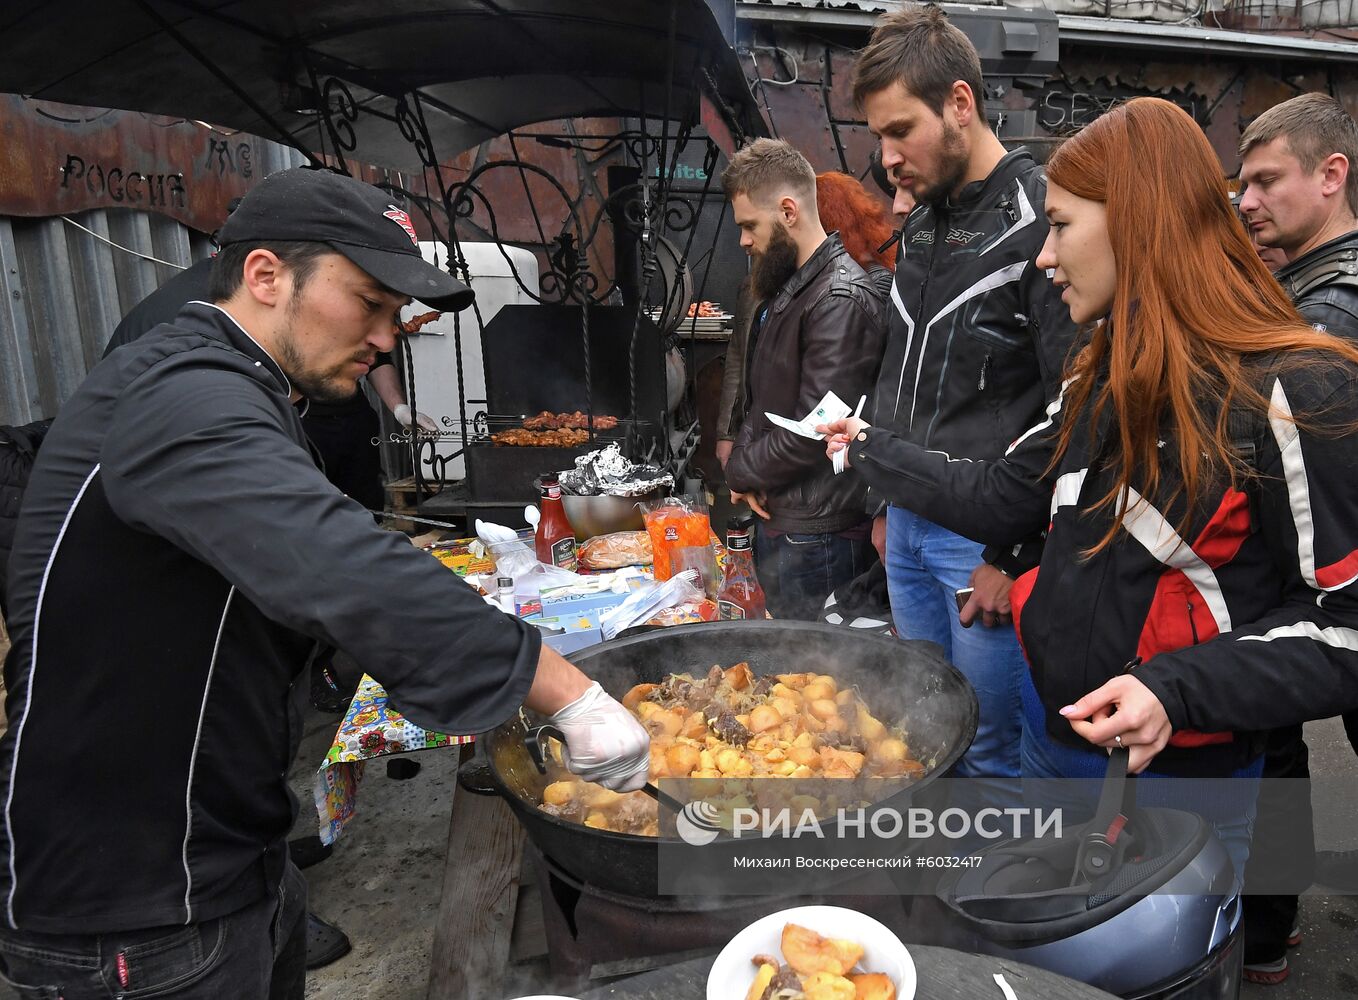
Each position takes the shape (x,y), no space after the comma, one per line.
(585,703)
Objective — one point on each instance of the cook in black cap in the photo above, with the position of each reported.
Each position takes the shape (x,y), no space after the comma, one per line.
(355,219)
(317,266)
(177,525)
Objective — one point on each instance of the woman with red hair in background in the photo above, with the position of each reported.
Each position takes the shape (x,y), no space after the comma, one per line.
(1199,583)
(862,221)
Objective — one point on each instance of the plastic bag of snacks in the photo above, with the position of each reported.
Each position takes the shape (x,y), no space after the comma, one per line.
(649,600)
(689,613)
(675,523)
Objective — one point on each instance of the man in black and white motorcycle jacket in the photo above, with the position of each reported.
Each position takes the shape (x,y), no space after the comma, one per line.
(976,345)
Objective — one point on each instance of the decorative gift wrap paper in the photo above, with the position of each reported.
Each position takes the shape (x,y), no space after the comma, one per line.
(336,797)
(464,556)
(371,728)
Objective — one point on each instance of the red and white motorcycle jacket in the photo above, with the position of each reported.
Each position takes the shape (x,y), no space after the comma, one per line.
(1246,621)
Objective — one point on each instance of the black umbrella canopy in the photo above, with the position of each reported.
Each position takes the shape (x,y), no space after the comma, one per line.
(479,67)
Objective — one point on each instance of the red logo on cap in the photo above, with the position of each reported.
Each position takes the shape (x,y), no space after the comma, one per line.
(399,217)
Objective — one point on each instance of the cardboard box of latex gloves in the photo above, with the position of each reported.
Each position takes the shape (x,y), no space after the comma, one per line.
(569,632)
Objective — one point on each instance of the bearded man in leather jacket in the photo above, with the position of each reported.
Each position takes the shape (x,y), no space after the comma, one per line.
(977,342)
(1300,197)
(817,328)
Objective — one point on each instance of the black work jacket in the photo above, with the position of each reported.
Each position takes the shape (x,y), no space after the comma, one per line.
(178,557)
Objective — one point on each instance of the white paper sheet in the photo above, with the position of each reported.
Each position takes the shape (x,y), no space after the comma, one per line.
(827,411)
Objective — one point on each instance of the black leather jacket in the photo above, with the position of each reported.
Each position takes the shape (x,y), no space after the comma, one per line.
(1323,284)
(823,331)
(979,336)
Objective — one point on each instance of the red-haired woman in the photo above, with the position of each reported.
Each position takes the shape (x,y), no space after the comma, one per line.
(1198,581)
(862,222)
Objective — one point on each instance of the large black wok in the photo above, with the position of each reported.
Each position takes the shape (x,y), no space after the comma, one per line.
(903,683)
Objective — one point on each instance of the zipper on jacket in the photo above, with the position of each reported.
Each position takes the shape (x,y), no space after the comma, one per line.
(1192,625)
(985,367)
(752,340)
(924,296)
(929,271)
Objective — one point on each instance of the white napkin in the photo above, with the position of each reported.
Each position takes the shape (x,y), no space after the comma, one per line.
(827,411)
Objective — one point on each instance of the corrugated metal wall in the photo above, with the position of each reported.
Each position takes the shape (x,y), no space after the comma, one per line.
(63,290)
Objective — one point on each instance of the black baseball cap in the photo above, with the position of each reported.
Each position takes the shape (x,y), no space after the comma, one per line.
(355,219)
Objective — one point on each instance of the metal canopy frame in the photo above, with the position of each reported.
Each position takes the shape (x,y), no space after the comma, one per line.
(409,88)
(482,68)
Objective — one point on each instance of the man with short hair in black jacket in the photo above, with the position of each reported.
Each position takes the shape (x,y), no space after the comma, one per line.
(978,340)
(179,557)
(1301,196)
(1300,177)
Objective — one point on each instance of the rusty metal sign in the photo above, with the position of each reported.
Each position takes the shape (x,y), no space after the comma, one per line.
(57,158)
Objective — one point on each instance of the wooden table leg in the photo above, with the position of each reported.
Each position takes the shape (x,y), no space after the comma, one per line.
(480,890)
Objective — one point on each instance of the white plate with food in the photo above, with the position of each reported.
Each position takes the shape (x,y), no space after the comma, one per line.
(832,952)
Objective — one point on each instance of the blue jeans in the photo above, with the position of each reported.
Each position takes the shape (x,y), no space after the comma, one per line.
(926,565)
(1227,803)
(256,952)
(798,572)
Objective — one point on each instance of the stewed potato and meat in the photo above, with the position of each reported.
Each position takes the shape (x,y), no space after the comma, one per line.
(731,724)
(817,968)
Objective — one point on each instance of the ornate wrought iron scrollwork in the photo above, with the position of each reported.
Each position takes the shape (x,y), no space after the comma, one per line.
(641,146)
(567,277)
(427,455)
(680,214)
(414,131)
(677,211)
(339,111)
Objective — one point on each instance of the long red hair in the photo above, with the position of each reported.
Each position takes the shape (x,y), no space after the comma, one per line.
(1194,311)
(861,220)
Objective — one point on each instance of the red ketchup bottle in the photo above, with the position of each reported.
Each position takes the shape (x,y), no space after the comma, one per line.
(555,539)
(740,595)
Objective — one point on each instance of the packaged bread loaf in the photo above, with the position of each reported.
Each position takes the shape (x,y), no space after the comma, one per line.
(621,548)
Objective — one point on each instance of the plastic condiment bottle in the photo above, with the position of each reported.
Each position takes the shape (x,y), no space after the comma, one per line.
(504,593)
(740,595)
(555,539)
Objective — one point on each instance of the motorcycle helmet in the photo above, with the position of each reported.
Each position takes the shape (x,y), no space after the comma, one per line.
(1140,902)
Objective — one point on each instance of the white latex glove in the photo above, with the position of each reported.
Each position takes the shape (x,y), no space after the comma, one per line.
(604,742)
(403,415)
(489,531)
